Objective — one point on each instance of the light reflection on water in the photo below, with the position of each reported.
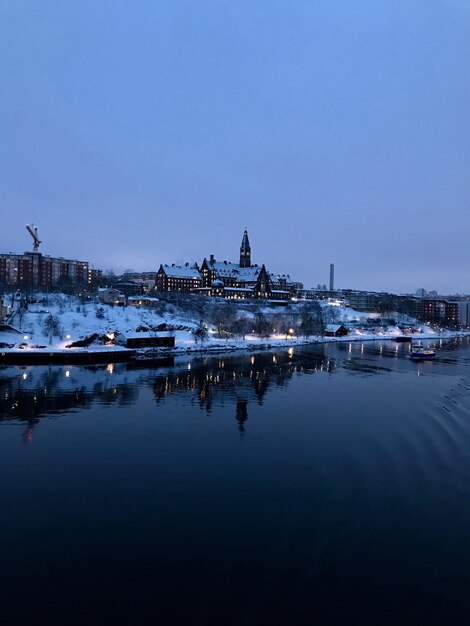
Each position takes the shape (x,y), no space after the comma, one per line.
(28,393)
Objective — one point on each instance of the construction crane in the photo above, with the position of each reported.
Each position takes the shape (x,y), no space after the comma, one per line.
(33,231)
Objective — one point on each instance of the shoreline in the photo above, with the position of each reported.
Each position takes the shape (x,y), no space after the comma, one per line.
(78,356)
(268,344)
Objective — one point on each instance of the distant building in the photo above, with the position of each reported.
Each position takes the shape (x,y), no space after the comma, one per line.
(307,294)
(335,330)
(438,311)
(127,288)
(363,300)
(94,277)
(229,280)
(145,340)
(184,278)
(145,301)
(464,314)
(146,279)
(243,280)
(35,270)
(110,295)
(225,279)
(423,293)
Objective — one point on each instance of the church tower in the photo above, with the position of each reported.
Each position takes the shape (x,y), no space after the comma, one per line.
(245,251)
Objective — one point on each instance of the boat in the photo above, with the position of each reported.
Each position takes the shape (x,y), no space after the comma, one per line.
(421,353)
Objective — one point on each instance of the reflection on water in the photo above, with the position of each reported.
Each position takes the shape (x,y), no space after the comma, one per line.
(29,393)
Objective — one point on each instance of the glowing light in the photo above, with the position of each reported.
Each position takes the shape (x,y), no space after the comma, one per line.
(26,337)
(67,373)
(67,336)
(25,376)
(110,368)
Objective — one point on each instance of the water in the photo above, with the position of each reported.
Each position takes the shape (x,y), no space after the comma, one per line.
(321,485)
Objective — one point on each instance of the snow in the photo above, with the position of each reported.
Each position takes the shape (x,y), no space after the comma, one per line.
(144,334)
(245,289)
(79,320)
(332,328)
(142,299)
(181,271)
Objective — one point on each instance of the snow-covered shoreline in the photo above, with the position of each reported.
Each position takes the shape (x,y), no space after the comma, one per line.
(219,347)
(113,353)
(52,325)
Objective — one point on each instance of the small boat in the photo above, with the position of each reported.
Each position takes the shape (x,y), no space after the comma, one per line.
(420,353)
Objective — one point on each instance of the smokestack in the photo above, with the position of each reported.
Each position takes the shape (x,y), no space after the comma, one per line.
(332,276)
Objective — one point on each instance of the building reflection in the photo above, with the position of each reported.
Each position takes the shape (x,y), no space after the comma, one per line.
(28,394)
(241,414)
(238,379)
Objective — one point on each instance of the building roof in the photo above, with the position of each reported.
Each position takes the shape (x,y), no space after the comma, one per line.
(181,271)
(247,289)
(248,274)
(233,270)
(225,268)
(143,298)
(277,277)
(143,335)
(333,328)
(8,328)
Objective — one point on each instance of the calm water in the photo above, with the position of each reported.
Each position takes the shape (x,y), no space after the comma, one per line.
(320,485)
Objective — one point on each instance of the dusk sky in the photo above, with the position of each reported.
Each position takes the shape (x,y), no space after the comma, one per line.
(140,132)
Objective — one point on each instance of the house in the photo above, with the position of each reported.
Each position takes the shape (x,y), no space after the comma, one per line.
(335,330)
(145,340)
(144,279)
(127,288)
(145,301)
(110,295)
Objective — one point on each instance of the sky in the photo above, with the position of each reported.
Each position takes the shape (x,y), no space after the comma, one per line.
(138,132)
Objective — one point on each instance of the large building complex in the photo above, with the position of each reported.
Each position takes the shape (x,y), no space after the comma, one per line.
(33,269)
(225,279)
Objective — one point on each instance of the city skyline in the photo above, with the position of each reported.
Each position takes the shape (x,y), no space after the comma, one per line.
(134,136)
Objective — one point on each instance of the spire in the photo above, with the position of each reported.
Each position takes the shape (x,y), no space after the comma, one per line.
(245,251)
(245,241)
